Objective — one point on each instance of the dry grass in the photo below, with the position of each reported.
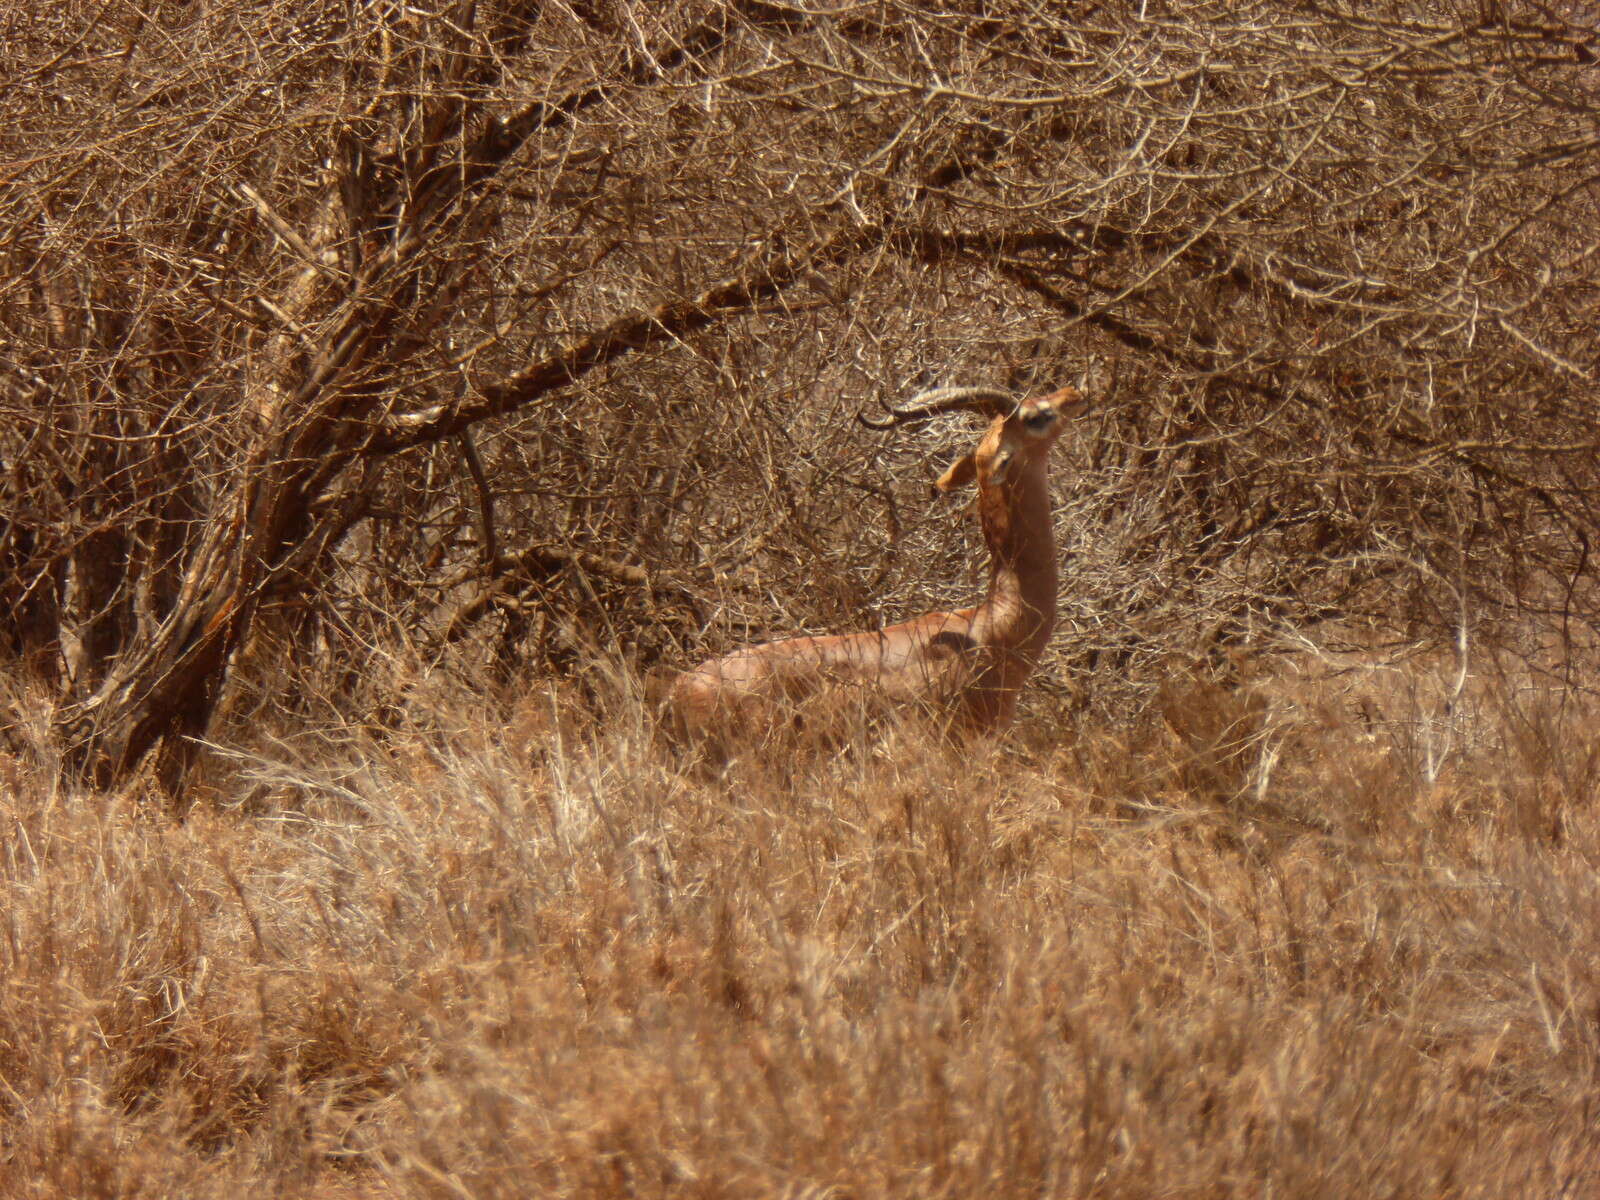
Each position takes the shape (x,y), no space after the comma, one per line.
(1318,937)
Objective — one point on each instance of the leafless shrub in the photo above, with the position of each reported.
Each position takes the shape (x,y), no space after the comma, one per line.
(382,385)
(646,257)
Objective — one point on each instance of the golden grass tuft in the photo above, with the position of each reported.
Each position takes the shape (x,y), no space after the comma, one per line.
(1320,933)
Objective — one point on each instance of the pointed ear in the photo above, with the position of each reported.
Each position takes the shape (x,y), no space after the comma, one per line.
(962,472)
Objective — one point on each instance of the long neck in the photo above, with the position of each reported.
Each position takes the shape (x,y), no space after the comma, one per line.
(1020,608)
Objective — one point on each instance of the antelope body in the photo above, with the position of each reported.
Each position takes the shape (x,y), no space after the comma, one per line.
(967,665)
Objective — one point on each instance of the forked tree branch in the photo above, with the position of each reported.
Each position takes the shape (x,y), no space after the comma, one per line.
(661,325)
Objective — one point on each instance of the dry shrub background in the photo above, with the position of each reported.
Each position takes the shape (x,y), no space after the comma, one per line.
(383,387)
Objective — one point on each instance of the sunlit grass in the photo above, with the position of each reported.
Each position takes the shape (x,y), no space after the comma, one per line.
(1262,943)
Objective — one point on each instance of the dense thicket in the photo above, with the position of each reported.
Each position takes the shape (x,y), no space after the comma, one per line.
(538,325)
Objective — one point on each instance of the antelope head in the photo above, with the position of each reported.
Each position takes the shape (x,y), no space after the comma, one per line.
(1019,435)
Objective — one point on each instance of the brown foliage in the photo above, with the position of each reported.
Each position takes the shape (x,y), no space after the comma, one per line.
(362,363)
(652,254)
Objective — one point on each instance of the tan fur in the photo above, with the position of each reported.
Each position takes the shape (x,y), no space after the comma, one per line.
(964,666)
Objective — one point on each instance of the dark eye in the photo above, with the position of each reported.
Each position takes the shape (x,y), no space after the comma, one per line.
(1039,418)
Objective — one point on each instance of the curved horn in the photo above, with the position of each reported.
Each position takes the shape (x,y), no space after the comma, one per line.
(991,402)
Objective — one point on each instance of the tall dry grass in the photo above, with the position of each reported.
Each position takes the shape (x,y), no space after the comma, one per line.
(1332,933)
